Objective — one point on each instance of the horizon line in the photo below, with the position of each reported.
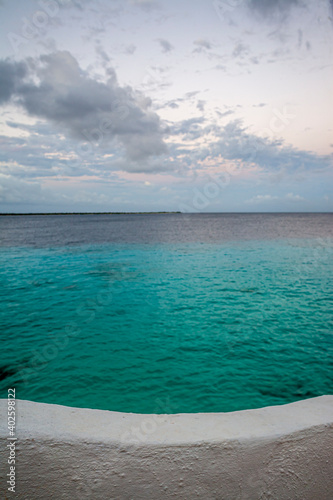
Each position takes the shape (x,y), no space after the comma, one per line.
(4,214)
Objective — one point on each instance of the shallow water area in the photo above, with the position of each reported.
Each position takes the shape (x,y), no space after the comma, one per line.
(167,313)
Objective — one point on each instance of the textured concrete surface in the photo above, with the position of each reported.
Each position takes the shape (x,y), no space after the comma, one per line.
(276,453)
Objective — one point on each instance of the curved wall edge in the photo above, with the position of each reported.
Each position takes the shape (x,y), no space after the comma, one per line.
(277,453)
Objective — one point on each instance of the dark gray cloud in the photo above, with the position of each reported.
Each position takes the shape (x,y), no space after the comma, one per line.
(166,46)
(272,7)
(11,73)
(88,109)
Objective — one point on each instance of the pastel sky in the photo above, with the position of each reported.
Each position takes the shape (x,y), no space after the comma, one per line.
(149,105)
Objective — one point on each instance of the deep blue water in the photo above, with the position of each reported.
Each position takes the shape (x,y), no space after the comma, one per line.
(167,313)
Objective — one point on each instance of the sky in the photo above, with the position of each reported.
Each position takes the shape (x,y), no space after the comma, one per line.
(165,105)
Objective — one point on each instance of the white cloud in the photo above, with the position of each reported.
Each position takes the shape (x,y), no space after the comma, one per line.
(294,197)
(262,198)
(15,190)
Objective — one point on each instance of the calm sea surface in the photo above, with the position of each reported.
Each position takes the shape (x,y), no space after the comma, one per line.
(167,313)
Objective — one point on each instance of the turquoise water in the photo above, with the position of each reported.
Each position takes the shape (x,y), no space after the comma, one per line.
(168,327)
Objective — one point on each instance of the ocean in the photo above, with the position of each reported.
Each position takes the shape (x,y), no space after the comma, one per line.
(166,313)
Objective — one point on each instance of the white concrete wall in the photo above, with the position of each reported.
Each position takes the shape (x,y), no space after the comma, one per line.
(276,453)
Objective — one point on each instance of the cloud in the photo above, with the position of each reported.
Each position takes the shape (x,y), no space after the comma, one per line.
(268,8)
(77,4)
(43,153)
(233,142)
(202,44)
(294,197)
(68,97)
(220,67)
(172,105)
(225,113)
(240,50)
(191,94)
(166,46)
(146,5)
(105,58)
(262,198)
(11,73)
(201,105)
(15,190)
(190,129)
(130,49)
